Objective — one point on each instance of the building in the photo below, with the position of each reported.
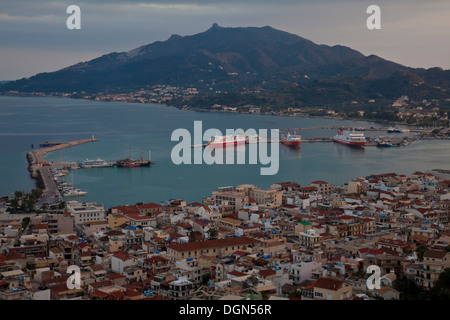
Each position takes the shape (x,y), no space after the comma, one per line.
(57,223)
(266,196)
(434,262)
(236,198)
(86,211)
(331,289)
(219,248)
(309,239)
(181,289)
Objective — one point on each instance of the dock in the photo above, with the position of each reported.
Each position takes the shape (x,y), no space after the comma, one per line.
(346,128)
(40,169)
(49,144)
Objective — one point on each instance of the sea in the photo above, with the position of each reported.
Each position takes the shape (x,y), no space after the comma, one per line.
(145,130)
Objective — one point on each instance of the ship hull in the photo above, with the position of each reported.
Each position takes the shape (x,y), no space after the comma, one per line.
(350,143)
(130,165)
(290,143)
(226,143)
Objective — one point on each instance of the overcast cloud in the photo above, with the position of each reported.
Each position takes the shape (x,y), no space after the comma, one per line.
(34,37)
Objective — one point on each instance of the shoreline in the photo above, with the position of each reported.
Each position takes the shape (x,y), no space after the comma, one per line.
(185,108)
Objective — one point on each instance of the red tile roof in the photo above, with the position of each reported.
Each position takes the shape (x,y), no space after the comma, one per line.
(99,294)
(236,273)
(115,276)
(121,255)
(434,254)
(328,283)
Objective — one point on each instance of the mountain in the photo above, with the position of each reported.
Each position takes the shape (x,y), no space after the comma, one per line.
(234,58)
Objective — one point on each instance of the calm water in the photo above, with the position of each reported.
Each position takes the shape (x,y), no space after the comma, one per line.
(137,128)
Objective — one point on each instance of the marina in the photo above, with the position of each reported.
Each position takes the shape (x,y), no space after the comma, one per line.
(48,174)
(45,174)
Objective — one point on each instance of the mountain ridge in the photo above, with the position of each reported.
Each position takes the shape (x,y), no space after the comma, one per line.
(230,58)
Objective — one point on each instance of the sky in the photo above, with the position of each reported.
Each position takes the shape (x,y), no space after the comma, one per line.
(34,37)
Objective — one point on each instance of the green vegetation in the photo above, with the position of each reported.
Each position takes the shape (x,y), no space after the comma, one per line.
(212,234)
(441,288)
(408,289)
(295,294)
(25,223)
(420,250)
(24,202)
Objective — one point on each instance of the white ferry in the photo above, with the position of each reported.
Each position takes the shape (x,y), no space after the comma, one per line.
(98,163)
(227,140)
(352,138)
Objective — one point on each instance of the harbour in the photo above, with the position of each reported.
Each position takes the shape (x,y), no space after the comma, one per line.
(23,124)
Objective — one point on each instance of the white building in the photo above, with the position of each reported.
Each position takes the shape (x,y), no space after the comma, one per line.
(86,211)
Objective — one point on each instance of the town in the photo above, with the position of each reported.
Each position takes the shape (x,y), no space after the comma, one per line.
(281,242)
(431,113)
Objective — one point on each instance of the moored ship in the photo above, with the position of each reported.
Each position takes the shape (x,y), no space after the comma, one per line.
(291,139)
(351,138)
(97,163)
(130,163)
(227,140)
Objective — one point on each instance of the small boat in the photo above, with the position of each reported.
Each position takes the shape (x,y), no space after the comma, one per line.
(385,143)
(74,193)
(391,130)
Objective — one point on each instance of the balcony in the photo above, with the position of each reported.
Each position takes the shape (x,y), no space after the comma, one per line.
(432,270)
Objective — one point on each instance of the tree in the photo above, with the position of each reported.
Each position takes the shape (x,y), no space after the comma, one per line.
(18,195)
(408,289)
(420,250)
(31,201)
(36,193)
(253,280)
(15,204)
(296,294)
(206,278)
(25,222)
(212,234)
(192,236)
(441,288)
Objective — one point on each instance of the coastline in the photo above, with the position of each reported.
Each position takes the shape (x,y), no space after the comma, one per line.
(271,113)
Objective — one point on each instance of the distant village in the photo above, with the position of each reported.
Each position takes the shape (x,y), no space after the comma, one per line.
(427,113)
(282,242)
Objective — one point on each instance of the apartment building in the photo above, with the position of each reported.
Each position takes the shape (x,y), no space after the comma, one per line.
(434,262)
(86,211)
(220,247)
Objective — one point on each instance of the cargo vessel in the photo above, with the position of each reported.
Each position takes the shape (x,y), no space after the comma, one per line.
(291,139)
